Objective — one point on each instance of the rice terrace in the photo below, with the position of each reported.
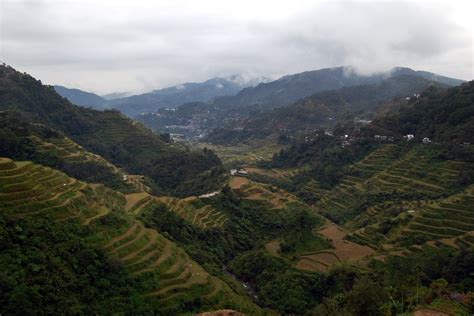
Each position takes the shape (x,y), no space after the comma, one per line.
(225,158)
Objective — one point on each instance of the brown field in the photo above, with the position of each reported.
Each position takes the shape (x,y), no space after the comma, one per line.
(310,265)
(344,251)
(273,247)
(237,182)
(133,198)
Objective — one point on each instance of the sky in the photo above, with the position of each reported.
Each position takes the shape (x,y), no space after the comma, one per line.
(136,46)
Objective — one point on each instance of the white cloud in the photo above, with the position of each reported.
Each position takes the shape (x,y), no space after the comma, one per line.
(105,46)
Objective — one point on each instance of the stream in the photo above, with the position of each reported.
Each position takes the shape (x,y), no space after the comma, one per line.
(247,286)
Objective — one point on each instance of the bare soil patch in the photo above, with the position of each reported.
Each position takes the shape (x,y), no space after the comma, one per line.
(346,250)
(309,265)
(237,182)
(273,247)
(133,198)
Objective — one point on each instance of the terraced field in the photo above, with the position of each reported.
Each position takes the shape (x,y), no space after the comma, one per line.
(343,251)
(340,199)
(244,154)
(275,197)
(27,189)
(465,242)
(196,212)
(72,153)
(163,272)
(417,172)
(312,191)
(441,219)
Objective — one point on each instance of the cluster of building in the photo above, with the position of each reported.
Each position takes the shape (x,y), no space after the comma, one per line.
(384,138)
(408,137)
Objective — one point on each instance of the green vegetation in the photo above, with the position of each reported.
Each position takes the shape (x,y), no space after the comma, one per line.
(161,274)
(39,274)
(442,115)
(332,225)
(125,143)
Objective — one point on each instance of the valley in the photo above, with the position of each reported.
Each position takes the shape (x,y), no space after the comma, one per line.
(269,220)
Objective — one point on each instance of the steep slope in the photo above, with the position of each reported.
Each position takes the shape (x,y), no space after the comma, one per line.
(437,114)
(26,141)
(79,97)
(124,142)
(164,275)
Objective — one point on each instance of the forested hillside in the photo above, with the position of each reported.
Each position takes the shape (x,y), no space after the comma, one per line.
(349,219)
(324,109)
(127,144)
(445,116)
(301,101)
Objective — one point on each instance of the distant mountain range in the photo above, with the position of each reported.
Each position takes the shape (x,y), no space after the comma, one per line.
(291,88)
(170,97)
(325,109)
(126,143)
(300,101)
(81,98)
(306,100)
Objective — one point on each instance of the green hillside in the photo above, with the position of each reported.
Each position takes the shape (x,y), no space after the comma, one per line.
(162,274)
(123,142)
(443,115)
(29,141)
(324,109)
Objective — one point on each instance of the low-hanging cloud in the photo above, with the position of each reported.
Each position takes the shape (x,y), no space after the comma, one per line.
(143,45)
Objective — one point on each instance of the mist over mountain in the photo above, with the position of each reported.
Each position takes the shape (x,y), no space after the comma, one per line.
(287,103)
(289,89)
(170,97)
(235,158)
(116,95)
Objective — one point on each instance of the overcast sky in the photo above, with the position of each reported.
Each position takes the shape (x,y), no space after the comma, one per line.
(110,46)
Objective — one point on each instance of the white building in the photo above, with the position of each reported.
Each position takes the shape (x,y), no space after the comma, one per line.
(426,140)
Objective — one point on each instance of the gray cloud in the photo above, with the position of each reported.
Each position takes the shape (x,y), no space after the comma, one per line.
(142,45)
